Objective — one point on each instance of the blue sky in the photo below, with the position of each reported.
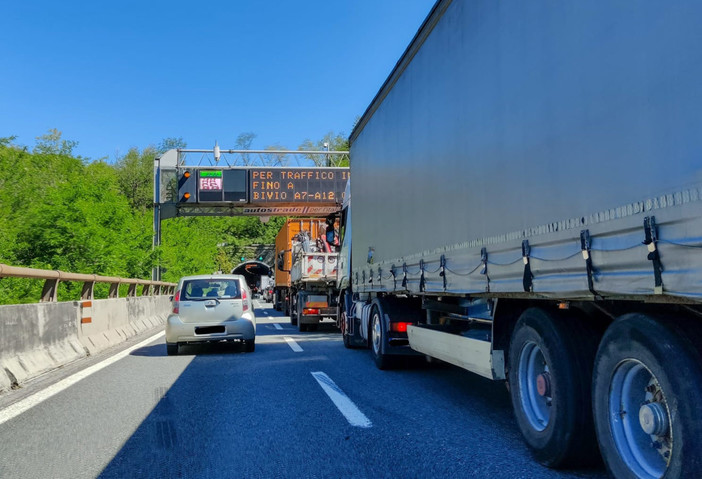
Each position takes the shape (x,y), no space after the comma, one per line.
(115,75)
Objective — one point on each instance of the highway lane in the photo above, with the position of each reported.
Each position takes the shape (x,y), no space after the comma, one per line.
(215,411)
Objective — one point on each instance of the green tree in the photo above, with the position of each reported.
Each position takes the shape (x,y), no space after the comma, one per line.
(274,159)
(85,225)
(171,143)
(330,142)
(243,142)
(189,246)
(135,174)
(52,144)
(7,140)
(59,213)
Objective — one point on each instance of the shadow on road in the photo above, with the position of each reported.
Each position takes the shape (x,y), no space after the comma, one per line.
(158,350)
(226,416)
(153,350)
(262,415)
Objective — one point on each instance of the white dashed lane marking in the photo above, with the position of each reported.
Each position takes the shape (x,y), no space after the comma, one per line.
(293,345)
(352,414)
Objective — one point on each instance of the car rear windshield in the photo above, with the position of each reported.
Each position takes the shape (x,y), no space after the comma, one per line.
(211,288)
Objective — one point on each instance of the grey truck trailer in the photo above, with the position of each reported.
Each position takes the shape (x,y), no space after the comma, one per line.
(526,204)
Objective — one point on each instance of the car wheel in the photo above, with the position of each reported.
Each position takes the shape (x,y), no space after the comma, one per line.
(377,335)
(249,345)
(550,371)
(647,388)
(172,349)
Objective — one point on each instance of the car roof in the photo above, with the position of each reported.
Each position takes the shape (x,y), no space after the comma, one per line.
(213,276)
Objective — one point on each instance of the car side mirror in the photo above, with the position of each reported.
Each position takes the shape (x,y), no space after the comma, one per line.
(170,298)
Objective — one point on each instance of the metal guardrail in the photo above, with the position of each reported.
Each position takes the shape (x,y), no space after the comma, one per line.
(53,277)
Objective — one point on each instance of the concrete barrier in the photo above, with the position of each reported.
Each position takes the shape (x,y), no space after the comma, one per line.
(35,338)
(113,321)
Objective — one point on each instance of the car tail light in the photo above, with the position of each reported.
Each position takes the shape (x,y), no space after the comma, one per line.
(176,298)
(244,302)
(399,327)
(310,311)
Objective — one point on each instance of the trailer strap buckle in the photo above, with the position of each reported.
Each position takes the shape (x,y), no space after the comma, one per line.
(443,270)
(651,238)
(422,282)
(585,244)
(527,279)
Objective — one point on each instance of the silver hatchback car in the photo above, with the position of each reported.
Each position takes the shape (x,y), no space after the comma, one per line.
(209,308)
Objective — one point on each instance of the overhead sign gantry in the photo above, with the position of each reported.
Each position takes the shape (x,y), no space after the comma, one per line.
(224,190)
(219,188)
(260,191)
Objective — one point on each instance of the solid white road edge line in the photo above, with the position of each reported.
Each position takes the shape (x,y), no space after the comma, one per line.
(352,414)
(27,403)
(293,345)
(277,326)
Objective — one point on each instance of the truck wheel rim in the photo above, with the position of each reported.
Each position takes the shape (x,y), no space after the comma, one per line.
(376,334)
(532,366)
(637,405)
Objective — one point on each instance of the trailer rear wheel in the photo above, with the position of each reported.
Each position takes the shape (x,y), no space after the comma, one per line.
(550,371)
(377,340)
(647,390)
(344,329)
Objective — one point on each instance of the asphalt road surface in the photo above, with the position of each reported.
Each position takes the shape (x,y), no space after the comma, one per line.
(300,406)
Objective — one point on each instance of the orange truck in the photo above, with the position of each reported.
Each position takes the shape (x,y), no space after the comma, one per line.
(306,270)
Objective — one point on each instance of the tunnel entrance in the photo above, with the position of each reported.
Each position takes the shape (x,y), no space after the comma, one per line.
(258,275)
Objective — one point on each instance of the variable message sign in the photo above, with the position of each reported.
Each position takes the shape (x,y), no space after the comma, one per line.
(296,185)
(261,191)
